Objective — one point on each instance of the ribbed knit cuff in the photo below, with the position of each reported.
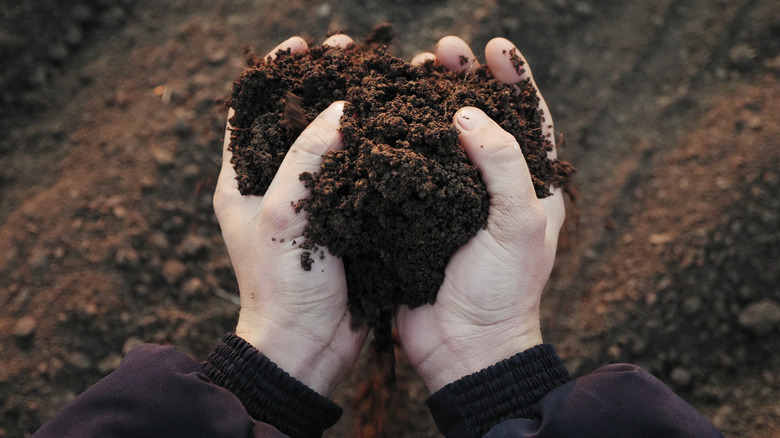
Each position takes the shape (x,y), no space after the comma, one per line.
(512,388)
(269,394)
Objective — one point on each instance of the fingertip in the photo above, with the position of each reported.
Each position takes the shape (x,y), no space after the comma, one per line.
(505,61)
(421,58)
(483,140)
(495,153)
(498,44)
(295,44)
(332,114)
(453,53)
(470,118)
(508,65)
(322,134)
(306,154)
(340,40)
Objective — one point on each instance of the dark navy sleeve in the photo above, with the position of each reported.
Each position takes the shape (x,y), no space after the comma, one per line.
(531,395)
(158,391)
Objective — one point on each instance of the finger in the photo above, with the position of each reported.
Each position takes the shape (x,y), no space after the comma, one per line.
(453,53)
(508,65)
(228,202)
(227,174)
(506,62)
(339,40)
(556,213)
(305,155)
(497,155)
(295,44)
(422,58)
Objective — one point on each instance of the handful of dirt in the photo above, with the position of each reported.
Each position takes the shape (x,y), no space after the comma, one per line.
(401,196)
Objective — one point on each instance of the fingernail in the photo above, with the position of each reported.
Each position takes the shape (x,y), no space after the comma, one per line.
(471,119)
(333,113)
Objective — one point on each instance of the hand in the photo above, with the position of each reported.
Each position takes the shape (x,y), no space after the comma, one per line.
(297,318)
(487,309)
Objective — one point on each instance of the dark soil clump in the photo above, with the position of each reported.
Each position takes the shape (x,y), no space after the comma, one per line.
(401,196)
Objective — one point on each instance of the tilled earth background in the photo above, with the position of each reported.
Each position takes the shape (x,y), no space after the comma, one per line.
(111,122)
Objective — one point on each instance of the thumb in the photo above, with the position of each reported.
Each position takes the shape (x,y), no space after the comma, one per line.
(513,203)
(305,155)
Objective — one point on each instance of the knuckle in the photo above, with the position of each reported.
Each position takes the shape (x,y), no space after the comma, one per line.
(506,149)
(497,146)
(313,141)
(221,201)
(505,141)
(536,219)
(276,216)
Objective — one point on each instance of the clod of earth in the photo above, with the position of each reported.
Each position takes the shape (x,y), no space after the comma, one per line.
(401,196)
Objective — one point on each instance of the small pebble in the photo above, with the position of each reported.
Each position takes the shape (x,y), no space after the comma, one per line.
(109,363)
(761,317)
(25,327)
(79,361)
(131,343)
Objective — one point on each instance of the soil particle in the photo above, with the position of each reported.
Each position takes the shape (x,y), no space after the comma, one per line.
(742,56)
(25,328)
(517,61)
(681,376)
(761,317)
(109,363)
(131,343)
(193,287)
(401,196)
(173,270)
(306,260)
(80,361)
(192,246)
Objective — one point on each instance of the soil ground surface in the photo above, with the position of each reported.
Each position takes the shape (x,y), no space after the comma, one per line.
(110,132)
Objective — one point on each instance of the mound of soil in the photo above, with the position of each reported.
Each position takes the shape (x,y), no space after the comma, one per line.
(401,196)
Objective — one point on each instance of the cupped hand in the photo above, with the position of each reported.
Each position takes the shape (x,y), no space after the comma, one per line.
(297,318)
(487,308)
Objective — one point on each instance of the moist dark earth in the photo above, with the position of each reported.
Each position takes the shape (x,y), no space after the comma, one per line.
(110,136)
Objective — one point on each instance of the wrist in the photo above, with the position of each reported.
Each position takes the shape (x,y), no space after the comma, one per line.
(455,358)
(519,382)
(303,357)
(268,393)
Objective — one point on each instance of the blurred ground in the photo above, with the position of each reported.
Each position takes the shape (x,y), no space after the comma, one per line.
(110,131)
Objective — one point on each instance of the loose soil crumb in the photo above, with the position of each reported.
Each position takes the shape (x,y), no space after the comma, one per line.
(401,196)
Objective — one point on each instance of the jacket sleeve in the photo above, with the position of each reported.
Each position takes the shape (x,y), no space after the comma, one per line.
(158,391)
(532,395)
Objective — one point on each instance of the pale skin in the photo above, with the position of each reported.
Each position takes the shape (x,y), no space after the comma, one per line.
(488,306)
